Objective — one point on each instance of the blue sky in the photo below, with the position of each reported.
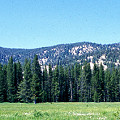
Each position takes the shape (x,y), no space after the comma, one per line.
(41,23)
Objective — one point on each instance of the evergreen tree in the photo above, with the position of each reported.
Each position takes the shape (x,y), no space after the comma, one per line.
(50,76)
(79,85)
(15,80)
(37,83)
(17,76)
(82,87)
(117,97)
(5,82)
(19,73)
(95,79)
(66,78)
(119,84)
(107,85)
(88,77)
(1,85)
(114,91)
(101,83)
(61,84)
(70,72)
(10,81)
(24,92)
(55,85)
(45,85)
(76,76)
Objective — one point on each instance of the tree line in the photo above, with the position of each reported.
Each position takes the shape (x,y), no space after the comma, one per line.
(74,83)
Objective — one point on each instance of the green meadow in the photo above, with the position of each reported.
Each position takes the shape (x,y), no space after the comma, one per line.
(60,111)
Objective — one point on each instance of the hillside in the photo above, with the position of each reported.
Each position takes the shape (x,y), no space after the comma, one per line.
(108,55)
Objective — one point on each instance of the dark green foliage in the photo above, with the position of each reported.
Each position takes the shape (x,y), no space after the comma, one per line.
(10,82)
(55,85)
(25,92)
(95,79)
(62,83)
(88,76)
(82,87)
(19,75)
(101,83)
(70,78)
(84,83)
(15,80)
(66,87)
(73,83)
(107,85)
(5,82)
(1,85)
(115,86)
(50,76)
(45,85)
(37,83)
(77,69)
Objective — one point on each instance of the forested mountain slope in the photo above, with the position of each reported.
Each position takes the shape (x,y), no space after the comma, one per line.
(66,54)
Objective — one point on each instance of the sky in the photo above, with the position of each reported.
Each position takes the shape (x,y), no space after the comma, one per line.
(41,23)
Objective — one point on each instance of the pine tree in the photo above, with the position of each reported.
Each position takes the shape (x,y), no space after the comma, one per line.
(76,76)
(24,92)
(61,84)
(15,80)
(17,76)
(107,85)
(82,87)
(66,88)
(19,73)
(101,84)
(37,83)
(55,85)
(119,84)
(50,76)
(10,81)
(94,82)
(84,84)
(114,91)
(45,84)
(1,85)
(72,84)
(88,77)
(70,72)
(5,82)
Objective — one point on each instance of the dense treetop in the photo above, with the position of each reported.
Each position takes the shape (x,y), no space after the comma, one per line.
(72,83)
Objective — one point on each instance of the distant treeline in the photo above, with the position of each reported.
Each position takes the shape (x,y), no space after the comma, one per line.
(74,83)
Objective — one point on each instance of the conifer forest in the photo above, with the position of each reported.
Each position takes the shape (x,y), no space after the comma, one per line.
(74,83)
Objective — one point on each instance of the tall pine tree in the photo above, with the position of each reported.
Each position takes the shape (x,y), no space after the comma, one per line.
(50,76)
(55,85)
(10,82)
(107,85)
(61,84)
(24,90)
(37,83)
(5,82)
(1,85)
(101,84)
(94,82)
(45,85)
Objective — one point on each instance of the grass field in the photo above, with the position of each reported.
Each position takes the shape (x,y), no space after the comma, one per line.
(60,111)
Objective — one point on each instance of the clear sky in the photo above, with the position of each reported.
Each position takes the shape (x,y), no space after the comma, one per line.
(41,23)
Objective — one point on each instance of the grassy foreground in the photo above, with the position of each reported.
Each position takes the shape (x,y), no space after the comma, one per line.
(60,111)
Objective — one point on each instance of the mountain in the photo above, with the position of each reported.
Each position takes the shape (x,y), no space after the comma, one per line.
(108,54)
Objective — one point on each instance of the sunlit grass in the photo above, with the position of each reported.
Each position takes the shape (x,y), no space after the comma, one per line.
(60,111)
